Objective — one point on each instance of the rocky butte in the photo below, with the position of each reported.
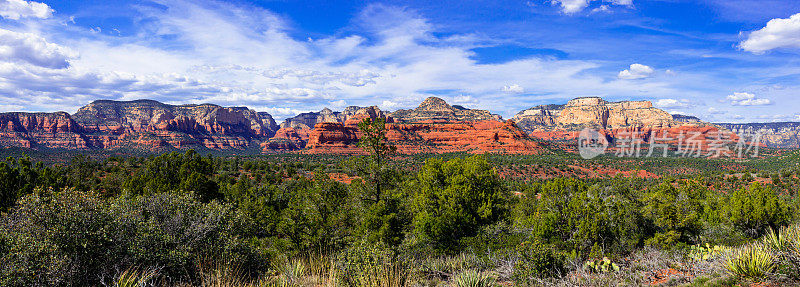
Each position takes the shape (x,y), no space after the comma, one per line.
(433,127)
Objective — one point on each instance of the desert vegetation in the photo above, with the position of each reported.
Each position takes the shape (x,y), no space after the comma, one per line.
(186,219)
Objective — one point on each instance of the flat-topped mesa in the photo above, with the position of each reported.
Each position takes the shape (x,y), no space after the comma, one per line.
(308,120)
(437,110)
(594,112)
(150,116)
(586,101)
(543,115)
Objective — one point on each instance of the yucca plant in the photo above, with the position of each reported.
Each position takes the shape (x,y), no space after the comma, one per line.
(291,272)
(791,252)
(473,278)
(394,274)
(753,261)
(135,278)
(777,241)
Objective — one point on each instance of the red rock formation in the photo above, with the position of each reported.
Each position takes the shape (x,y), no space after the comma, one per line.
(32,130)
(286,139)
(150,124)
(428,137)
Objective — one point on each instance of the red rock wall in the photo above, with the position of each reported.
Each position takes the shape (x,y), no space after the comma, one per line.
(428,137)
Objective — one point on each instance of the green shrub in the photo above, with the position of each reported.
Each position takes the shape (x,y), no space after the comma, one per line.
(370,265)
(59,240)
(676,213)
(579,218)
(77,239)
(756,209)
(454,199)
(537,260)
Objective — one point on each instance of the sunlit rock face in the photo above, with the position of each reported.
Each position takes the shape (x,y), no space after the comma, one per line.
(436,109)
(33,130)
(433,127)
(593,112)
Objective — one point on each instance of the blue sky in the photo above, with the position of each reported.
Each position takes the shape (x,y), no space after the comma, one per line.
(720,60)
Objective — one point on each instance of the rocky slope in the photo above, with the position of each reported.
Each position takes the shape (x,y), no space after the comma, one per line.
(776,135)
(141,124)
(435,109)
(35,130)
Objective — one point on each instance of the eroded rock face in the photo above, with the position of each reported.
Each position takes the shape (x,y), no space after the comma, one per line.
(33,130)
(439,134)
(436,109)
(775,135)
(147,115)
(146,123)
(544,115)
(287,139)
(429,137)
(593,112)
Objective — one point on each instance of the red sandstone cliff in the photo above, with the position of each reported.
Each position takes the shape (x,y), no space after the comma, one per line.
(428,137)
(33,130)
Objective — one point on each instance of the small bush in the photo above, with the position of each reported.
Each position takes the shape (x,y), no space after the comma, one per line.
(537,260)
(364,265)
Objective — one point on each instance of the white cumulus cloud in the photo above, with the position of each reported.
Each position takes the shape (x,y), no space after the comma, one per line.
(636,71)
(779,33)
(17,9)
(672,103)
(513,89)
(747,99)
(575,6)
(32,49)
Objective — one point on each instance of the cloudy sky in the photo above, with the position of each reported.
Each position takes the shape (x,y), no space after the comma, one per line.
(720,60)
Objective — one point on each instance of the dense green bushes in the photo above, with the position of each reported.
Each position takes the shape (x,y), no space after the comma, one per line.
(71,238)
(172,212)
(454,199)
(581,219)
(538,260)
(756,209)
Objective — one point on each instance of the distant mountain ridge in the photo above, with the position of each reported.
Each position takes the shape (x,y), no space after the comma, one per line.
(152,125)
